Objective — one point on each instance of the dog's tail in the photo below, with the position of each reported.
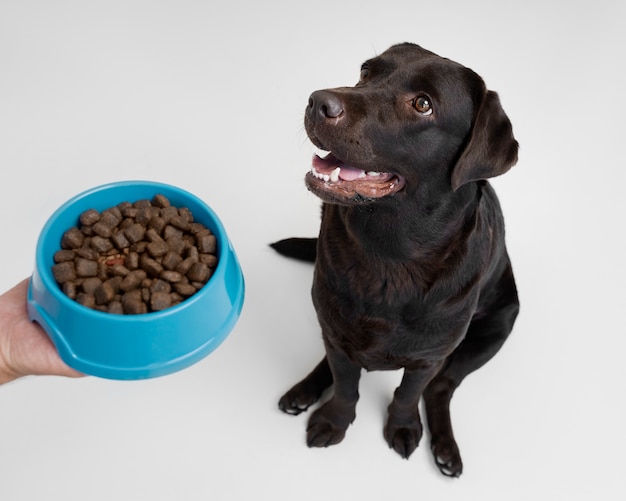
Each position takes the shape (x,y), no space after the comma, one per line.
(303,249)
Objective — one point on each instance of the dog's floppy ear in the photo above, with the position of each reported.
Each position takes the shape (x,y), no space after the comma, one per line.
(491,149)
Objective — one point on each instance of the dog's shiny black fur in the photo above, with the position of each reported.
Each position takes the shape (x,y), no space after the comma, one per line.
(418,279)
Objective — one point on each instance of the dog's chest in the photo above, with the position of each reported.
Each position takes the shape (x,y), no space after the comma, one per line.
(383,317)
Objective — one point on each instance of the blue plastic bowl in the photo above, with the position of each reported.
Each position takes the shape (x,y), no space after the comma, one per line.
(135,346)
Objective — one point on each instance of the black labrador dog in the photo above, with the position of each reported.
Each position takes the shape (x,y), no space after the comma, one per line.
(411,269)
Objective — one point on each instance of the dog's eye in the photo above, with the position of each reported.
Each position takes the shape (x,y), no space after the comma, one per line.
(423,105)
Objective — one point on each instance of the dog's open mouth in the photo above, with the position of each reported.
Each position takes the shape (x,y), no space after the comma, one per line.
(331,176)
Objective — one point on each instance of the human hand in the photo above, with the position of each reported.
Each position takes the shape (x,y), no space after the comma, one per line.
(25,349)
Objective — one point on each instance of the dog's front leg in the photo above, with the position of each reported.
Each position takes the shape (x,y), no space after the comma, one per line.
(403,430)
(328,425)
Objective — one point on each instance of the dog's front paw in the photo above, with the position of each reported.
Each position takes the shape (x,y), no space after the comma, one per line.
(298,399)
(403,438)
(327,427)
(447,456)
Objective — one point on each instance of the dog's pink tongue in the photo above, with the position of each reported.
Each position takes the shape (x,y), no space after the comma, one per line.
(329,163)
(349,173)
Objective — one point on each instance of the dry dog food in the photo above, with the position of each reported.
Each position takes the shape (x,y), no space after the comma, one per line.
(135,257)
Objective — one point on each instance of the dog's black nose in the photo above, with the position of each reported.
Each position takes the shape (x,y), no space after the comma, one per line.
(324,104)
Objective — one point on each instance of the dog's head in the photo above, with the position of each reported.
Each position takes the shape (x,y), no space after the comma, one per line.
(415,123)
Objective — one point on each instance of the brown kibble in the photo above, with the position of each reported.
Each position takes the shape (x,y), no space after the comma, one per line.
(185,289)
(199,272)
(195,228)
(116,308)
(171,276)
(70,289)
(102,229)
(171,260)
(157,223)
(131,295)
(193,253)
(160,301)
(190,240)
(158,248)
(207,243)
(187,215)
(112,217)
(132,280)
(144,215)
(179,222)
(87,253)
(209,259)
(132,303)
(168,213)
(176,245)
(89,285)
(161,201)
(104,293)
(119,240)
(64,255)
(135,233)
(172,232)
(133,306)
(89,217)
(184,266)
(142,203)
(86,267)
(159,285)
(118,270)
(103,271)
(126,222)
(101,244)
(152,235)
(139,247)
(150,266)
(87,231)
(87,300)
(72,239)
(132,261)
(129,211)
(135,258)
(115,283)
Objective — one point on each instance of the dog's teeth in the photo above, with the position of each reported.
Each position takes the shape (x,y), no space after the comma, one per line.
(334,175)
(374,174)
(319,175)
(320,152)
(362,175)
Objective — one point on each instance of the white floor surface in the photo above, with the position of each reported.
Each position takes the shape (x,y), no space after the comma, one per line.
(210,96)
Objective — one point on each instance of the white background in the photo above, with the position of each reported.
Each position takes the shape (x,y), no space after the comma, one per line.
(209,96)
